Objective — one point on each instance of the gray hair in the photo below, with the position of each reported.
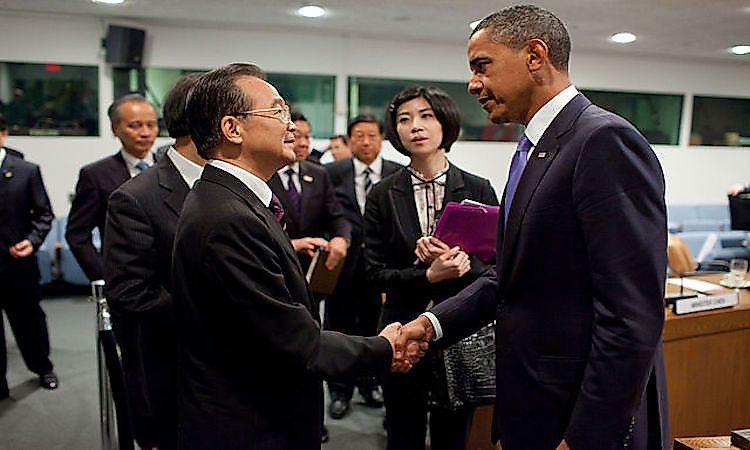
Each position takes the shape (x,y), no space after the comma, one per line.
(114,109)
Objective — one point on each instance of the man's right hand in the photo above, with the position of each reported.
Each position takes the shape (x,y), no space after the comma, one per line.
(308,245)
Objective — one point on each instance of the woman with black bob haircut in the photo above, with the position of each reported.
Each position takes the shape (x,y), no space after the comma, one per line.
(400,216)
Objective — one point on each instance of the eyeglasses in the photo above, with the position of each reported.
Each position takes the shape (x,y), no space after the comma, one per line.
(279,112)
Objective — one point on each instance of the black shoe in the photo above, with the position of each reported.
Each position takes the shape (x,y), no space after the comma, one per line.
(338,408)
(48,381)
(324,435)
(373,397)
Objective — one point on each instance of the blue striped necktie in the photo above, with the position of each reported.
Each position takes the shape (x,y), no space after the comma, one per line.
(141,166)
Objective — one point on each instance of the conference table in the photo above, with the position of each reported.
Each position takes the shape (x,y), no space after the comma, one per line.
(707,358)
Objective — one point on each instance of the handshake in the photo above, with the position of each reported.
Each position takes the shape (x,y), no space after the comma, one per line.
(409,342)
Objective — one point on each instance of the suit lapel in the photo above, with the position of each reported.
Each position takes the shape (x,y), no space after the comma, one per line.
(454,187)
(539,162)
(253,202)
(307,185)
(122,168)
(173,188)
(351,190)
(401,195)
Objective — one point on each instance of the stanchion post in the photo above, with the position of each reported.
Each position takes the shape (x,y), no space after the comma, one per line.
(107,420)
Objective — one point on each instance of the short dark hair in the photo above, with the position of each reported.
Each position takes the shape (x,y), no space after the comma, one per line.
(363,118)
(175,103)
(3,122)
(517,25)
(114,109)
(445,109)
(296,115)
(343,137)
(214,96)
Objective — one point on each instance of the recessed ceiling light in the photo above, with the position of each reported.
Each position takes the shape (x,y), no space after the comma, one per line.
(109,2)
(474,24)
(740,49)
(311,11)
(623,38)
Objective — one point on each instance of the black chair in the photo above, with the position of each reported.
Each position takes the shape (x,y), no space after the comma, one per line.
(739,211)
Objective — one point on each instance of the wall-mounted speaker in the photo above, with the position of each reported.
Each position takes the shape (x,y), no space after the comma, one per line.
(124,46)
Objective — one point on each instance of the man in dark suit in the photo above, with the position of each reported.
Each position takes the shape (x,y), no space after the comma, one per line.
(578,290)
(141,222)
(25,219)
(353,308)
(312,213)
(133,121)
(251,350)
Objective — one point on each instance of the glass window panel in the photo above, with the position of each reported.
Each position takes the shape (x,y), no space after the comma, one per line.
(372,95)
(50,99)
(657,116)
(312,95)
(720,121)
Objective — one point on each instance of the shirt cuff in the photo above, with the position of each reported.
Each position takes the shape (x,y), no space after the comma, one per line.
(438,330)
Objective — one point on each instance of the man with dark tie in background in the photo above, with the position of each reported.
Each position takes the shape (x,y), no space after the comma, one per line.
(137,247)
(313,216)
(352,307)
(25,219)
(578,290)
(134,122)
(251,350)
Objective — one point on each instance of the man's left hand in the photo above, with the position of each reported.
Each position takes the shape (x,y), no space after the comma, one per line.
(336,252)
(22,249)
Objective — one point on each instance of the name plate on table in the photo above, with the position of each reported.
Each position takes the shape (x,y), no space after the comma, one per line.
(706,302)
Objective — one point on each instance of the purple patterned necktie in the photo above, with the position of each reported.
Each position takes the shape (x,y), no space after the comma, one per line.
(277,210)
(294,195)
(516,169)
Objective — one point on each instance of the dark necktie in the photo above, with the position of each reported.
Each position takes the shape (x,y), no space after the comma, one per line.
(367,180)
(277,210)
(141,166)
(516,169)
(294,196)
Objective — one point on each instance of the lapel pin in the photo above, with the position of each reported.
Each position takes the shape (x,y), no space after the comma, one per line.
(541,155)
(8,174)
(307,178)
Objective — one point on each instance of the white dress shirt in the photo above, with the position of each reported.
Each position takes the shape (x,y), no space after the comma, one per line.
(534,131)
(131,161)
(255,184)
(294,177)
(2,155)
(189,170)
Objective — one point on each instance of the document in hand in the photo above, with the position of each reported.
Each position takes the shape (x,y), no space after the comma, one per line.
(472,226)
(321,280)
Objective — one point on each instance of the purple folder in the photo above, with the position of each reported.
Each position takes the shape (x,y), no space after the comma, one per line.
(470,225)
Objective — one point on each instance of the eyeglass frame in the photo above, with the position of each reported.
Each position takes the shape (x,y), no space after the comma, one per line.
(285,118)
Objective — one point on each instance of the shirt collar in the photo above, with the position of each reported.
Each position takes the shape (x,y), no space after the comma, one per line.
(376,166)
(294,167)
(189,170)
(547,113)
(255,184)
(131,160)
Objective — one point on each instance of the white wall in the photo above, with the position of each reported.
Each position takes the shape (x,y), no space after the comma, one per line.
(694,175)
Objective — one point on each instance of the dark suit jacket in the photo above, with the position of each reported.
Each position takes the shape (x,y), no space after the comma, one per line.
(342,177)
(141,223)
(315,155)
(321,215)
(578,293)
(391,233)
(252,352)
(25,213)
(14,152)
(89,210)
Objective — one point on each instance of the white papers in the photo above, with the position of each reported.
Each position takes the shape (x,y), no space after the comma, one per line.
(695,285)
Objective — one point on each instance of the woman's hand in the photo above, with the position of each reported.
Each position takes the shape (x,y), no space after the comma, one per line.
(452,264)
(429,248)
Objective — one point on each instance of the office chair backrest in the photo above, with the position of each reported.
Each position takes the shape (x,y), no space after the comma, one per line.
(679,258)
